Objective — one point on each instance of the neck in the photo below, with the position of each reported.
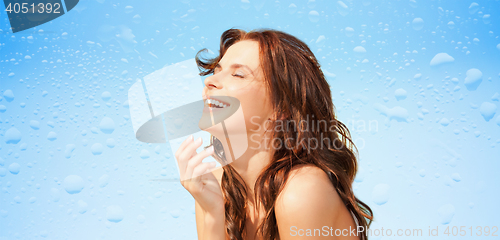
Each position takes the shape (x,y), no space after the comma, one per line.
(250,165)
(253,161)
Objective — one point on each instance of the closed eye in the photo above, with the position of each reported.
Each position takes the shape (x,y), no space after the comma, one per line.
(237,75)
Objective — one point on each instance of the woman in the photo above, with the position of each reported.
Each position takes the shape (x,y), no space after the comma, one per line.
(295,179)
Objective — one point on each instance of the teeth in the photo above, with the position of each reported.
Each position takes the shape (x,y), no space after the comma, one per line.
(214,103)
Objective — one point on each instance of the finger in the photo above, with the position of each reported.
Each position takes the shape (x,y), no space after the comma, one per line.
(190,150)
(201,169)
(179,151)
(187,153)
(195,161)
(212,167)
(183,145)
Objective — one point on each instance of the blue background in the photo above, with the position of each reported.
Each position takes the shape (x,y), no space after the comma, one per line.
(71,168)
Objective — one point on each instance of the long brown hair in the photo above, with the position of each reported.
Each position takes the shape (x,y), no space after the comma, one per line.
(300,95)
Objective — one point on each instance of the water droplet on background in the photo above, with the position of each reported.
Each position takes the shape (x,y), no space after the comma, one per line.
(136,19)
(52,136)
(456,177)
(349,31)
(400,94)
(175,213)
(129,9)
(320,42)
(97,149)
(107,125)
(69,149)
(178,123)
(397,113)
(380,194)
(12,136)
(44,233)
(141,219)
(446,213)
(444,121)
(313,16)
(488,110)
(418,24)
(8,95)
(3,172)
(114,213)
(3,213)
(14,168)
(73,184)
(103,180)
(94,130)
(35,125)
(359,51)
(144,154)
(473,79)
(292,8)
(105,96)
(440,59)
(245,4)
(473,8)
(110,142)
(413,3)
(342,8)
(82,207)
(54,193)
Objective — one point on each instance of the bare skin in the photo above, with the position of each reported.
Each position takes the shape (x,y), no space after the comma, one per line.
(309,200)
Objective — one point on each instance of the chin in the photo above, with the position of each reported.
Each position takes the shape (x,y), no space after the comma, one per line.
(231,133)
(216,130)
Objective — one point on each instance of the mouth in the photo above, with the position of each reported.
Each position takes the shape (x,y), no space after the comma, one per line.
(216,103)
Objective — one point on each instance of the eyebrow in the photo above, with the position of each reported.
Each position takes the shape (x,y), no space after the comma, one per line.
(236,65)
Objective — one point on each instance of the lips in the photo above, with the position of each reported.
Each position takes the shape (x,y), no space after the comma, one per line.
(217,110)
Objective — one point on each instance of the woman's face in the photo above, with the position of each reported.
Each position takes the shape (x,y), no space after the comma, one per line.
(239,76)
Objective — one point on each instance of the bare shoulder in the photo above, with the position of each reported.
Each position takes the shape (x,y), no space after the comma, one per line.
(308,184)
(308,201)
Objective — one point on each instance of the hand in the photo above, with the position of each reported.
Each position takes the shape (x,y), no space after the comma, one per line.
(197,178)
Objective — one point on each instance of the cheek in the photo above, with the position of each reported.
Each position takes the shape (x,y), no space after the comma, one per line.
(254,102)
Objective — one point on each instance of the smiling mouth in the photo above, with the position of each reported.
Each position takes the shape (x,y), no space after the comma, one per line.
(212,103)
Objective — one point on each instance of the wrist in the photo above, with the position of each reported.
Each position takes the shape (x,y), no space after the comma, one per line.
(214,219)
(214,226)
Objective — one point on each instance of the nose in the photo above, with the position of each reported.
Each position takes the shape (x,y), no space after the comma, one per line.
(211,83)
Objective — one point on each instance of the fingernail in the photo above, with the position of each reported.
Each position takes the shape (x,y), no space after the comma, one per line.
(198,140)
(191,137)
(210,149)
